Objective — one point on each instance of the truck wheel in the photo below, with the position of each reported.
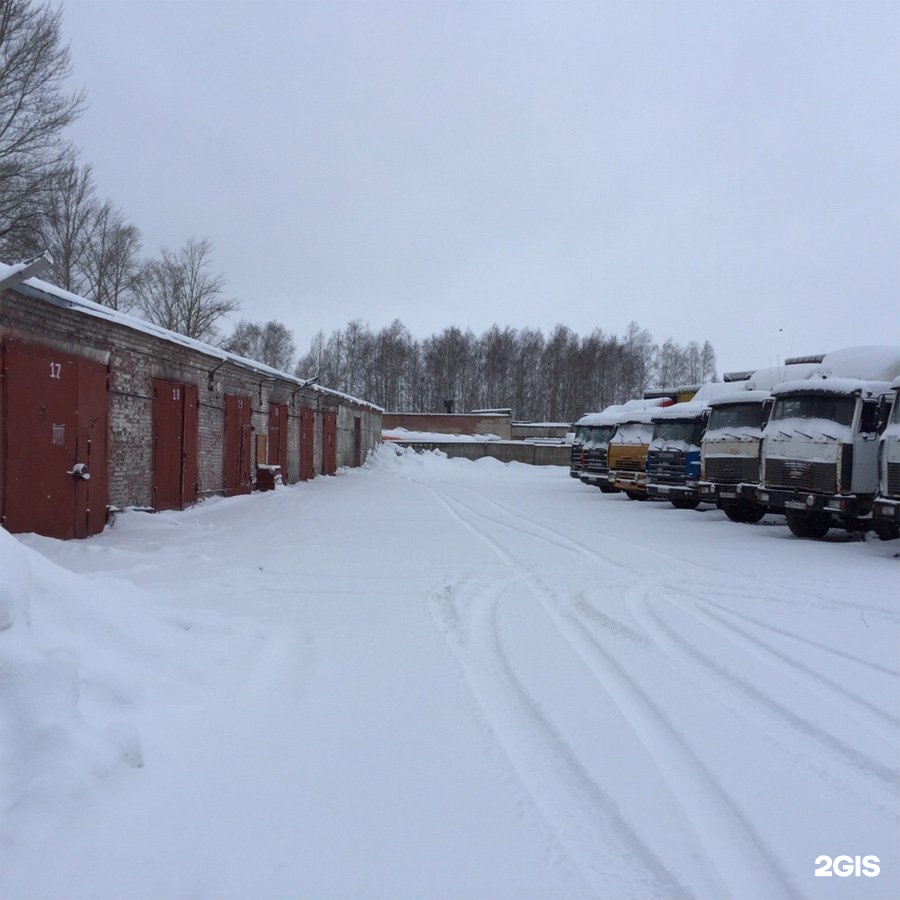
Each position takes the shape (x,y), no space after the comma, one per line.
(813,525)
(745,512)
(753,513)
(606,489)
(635,495)
(887,531)
(685,503)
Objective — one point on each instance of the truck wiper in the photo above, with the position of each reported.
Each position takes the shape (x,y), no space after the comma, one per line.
(804,434)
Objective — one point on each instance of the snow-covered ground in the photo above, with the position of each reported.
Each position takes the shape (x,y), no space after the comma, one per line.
(440,678)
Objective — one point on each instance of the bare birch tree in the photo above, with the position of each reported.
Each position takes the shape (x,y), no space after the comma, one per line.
(35,108)
(270,343)
(67,225)
(179,292)
(111,259)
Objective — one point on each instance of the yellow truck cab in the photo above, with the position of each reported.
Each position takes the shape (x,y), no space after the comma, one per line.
(626,454)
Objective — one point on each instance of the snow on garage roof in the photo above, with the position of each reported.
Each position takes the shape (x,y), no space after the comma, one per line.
(43,290)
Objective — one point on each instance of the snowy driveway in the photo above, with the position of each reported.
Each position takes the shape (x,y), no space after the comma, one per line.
(433,678)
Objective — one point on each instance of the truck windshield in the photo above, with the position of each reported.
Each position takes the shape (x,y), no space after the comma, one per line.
(815,406)
(580,433)
(633,433)
(600,434)
(688,432)
(736,415)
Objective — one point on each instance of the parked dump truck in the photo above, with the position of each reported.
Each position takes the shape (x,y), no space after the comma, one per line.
(603,425)
(820,445)
(886,509)
(730,452)
(673,455)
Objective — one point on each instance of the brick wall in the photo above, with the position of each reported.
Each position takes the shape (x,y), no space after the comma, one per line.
(135,359)
(458,423)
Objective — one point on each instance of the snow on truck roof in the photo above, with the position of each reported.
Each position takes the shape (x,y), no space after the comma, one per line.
(877,363)
(766,379)
(821,384)
(690,409)
(619,413)
(43,290)
(748,396)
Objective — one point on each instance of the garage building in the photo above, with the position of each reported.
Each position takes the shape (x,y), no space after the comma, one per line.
(102,411)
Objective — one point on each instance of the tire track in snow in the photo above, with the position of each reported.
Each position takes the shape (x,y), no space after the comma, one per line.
(775,591)
(831,742)
(779,592)
(841,654)
(863,710)
(587,822)
(856,769)
(741,855)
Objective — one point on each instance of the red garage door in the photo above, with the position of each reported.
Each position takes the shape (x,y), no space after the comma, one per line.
(357,441)
(55,421)
(175,433)
(278,437)
(238,445)
(329,443)
(307,464)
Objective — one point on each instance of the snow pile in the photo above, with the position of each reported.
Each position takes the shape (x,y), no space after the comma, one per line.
(77,660)
(438,437)
(408,462)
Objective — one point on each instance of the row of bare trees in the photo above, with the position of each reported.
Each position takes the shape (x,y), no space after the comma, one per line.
(48,199)
(549,378)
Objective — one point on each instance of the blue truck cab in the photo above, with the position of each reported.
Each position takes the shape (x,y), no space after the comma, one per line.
(673,457)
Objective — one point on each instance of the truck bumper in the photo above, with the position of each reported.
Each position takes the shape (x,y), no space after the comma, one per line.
(844,506)
(627,481)
(595,479)
(689,491)
(886,510)
(713,492)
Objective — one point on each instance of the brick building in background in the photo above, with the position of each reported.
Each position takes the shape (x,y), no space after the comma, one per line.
(100,410)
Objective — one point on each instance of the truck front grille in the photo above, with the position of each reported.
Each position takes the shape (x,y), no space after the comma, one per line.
(630,464)
(731,469)
(595,461)
(893,480)
(801,475)
(665,466)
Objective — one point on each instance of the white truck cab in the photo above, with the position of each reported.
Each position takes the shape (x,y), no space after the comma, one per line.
(730,453)
(886,510)
(819,454)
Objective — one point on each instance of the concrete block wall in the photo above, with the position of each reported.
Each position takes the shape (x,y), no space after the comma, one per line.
(505,451)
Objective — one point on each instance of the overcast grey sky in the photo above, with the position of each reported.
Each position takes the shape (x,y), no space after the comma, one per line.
(724,171)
